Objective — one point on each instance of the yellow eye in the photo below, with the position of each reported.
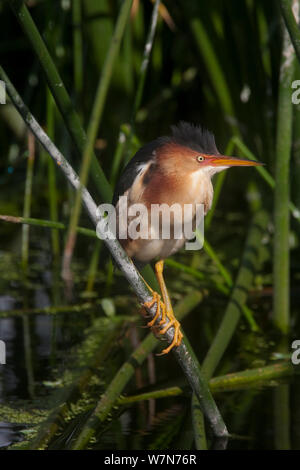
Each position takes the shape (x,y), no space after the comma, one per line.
(200,158)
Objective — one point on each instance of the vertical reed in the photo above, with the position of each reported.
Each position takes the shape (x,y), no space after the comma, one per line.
(52,189)
(27,200)
(281,263)
(77,48)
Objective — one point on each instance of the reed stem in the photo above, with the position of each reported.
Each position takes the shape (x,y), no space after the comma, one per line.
(77,48)
(281,261)
(52,192)
(289,12)
(223,383)
(27,200)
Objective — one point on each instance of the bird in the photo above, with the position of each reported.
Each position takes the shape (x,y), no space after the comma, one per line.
(174,169)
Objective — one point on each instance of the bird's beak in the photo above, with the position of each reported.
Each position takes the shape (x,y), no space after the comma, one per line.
(223,160)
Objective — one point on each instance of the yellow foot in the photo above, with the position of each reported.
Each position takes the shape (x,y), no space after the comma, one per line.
(165,315)
(159,307)
(177,333)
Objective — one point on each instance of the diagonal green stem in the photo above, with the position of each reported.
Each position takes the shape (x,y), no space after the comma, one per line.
(146,58)
(223,383)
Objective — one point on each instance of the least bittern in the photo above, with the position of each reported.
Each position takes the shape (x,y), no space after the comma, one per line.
(169,170)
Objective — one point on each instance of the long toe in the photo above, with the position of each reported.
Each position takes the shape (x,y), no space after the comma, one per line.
(155,300)
(177,338)
(169,348)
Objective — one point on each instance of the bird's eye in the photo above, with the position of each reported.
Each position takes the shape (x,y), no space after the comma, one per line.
(200,158)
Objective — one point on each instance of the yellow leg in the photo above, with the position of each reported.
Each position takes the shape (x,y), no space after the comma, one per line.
(166,311)
(159,267)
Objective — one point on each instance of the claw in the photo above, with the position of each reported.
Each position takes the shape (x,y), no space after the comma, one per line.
(176,338)
(165,315)
(155,299)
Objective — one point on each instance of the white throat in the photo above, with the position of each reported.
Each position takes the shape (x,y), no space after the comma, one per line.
(212,170)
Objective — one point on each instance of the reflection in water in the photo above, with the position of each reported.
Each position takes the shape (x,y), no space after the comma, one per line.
(9,433)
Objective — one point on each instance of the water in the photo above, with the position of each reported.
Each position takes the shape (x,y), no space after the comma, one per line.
(40,349)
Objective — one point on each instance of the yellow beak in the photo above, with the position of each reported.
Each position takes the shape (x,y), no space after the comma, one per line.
(223,160)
